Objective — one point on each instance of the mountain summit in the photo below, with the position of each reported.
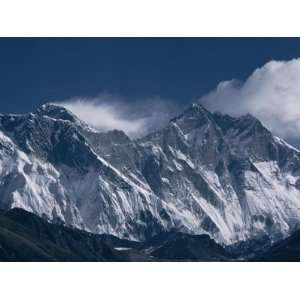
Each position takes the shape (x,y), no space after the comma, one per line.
(204,173)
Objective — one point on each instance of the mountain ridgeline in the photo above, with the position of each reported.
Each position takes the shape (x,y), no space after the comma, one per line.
(204,174)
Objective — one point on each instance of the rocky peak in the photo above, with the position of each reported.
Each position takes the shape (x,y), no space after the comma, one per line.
(239,125)
(56,112)
(192,118)
(115,136)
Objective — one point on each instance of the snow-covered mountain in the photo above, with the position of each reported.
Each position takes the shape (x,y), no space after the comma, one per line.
(203,173)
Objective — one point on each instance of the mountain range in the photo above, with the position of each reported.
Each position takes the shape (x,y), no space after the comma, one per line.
(204,180)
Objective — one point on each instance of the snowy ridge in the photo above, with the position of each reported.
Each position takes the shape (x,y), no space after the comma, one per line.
(203,173)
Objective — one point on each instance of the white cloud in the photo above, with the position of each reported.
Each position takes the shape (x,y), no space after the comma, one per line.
(271,93)
(108,112)
(103,116)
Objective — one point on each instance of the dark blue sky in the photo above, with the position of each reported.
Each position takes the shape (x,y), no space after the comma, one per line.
(35,70)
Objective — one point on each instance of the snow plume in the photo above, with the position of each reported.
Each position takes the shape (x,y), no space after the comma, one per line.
(271,93)
(108,112)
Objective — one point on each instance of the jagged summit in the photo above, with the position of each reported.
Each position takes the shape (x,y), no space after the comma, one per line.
(197,110)
(194,110)
(239,123)
(59,112)
(197,116)
(56,111)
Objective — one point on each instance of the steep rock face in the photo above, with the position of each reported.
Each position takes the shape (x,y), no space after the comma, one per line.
(204,173)
(48,167)
(231,174)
